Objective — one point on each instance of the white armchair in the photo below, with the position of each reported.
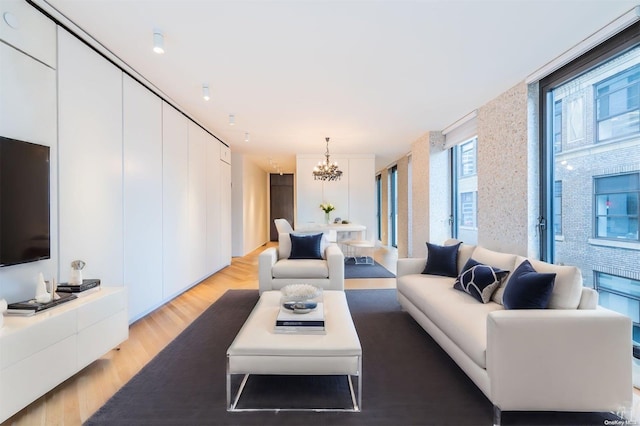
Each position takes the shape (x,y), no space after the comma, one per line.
(275,269)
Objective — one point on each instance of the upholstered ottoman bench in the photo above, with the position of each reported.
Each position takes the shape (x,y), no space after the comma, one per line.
(257,349)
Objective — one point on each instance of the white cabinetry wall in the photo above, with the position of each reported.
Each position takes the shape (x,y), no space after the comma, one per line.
(224,255)
(141,195)
(175,201)
(214,197)
(198,139)
(142,137)
(121,187)
(90,161)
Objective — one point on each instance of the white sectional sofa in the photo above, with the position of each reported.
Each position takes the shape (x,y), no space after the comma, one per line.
(572,356)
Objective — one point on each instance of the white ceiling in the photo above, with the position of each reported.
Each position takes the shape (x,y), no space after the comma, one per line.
(372,75)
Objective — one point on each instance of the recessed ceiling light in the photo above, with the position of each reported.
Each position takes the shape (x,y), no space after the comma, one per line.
(11,20)
(205,92)
(246,136)
(232,119)
(158,42)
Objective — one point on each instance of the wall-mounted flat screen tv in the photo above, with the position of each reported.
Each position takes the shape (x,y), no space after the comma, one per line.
(24,202)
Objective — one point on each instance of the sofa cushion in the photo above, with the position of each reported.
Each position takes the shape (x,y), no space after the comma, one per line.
(567,289)
(528,289)
(442,260)
(455,313)
(305,246)
(503,261)
(464,251)
(479,280)
(300,268)
(284,245)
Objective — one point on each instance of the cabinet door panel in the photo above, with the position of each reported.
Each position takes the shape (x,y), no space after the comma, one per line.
(214,236)
(175,202)
(90,162)
(142,197)
(197,203)
(225,214)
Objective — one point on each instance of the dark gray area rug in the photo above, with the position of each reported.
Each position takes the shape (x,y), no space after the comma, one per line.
(351,270)
(407,378)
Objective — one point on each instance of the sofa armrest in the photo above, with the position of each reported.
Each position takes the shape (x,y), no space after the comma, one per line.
(559,360)
(335,263)
(410,265)
(266,260)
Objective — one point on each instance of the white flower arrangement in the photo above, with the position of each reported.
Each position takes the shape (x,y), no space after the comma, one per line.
(300,292)
(327,207)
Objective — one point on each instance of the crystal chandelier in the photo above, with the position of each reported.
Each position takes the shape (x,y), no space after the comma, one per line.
(327,170)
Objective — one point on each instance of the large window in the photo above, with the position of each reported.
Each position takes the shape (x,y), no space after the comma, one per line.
(465,191)
(616,201)
(590,170)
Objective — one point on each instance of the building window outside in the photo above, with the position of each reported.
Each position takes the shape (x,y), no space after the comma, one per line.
(469,209)
(468,158)
(465,188)
(618,105)
(557,208)
(622,295)
(616,201)
(557,126)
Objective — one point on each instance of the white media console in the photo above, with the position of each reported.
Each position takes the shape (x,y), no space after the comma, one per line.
(41,351)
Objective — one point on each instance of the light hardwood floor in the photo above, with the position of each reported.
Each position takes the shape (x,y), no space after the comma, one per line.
(75,400)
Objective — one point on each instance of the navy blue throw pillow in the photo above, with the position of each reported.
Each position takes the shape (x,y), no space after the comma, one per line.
(479,280)
(528,289)
(305,246)
(442,260)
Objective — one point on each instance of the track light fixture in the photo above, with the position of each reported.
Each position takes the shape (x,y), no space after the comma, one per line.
(232,119)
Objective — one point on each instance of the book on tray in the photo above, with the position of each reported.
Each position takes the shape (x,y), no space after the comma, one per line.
(311,322)
(30,307)
(78,288)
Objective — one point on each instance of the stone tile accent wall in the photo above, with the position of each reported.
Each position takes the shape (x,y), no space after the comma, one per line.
(403,206)
(420,155)
(503,181)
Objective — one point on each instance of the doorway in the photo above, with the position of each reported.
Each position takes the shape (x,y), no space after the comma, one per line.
(281,188)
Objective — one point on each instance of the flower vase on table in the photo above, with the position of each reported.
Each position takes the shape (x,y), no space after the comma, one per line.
(327,208)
